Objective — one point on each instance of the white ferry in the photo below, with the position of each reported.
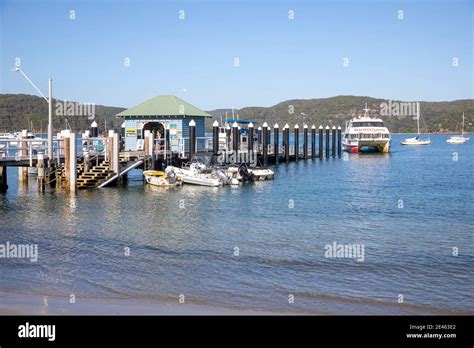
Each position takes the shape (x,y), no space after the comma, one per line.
(366,133)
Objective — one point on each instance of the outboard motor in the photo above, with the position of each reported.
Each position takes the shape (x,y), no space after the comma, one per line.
(171,176)
(222,177)
(245,174)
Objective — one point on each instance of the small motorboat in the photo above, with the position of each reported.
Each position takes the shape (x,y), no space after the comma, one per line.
(261,174)
(197,174)
(244,173)
(163,179)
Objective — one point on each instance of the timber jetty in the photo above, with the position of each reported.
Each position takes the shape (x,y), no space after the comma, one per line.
(91,161)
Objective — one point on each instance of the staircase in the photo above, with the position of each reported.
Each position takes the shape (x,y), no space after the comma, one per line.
(94,176)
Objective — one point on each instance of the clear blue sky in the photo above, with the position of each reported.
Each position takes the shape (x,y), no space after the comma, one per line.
(408,59)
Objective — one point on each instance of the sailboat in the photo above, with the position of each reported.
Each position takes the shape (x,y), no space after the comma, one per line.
(416,140)
(458,139)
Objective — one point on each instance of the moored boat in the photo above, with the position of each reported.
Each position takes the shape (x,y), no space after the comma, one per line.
(197,174)
(163,179)
(416,141)
(365,134)
(458,139)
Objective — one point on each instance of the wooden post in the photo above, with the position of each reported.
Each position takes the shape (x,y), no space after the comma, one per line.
(151,149)
(23,171)
(41,172)
(116,153)
(192,139)
(3,179)
(320,131)
(227,137)
(327,141)
(235,140)
(313,141)
(269,135)
(94,130)
(215,137)
(333,141)
(286,140)
(276,143)
(167,141)
(146,142)
(73,162)
(305,142)
(296,140)
(265,144)
(110,141)
(339,141)
(250,142)
(259,135)
(67,156)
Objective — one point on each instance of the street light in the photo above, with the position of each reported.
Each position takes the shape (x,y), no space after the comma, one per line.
(49,100)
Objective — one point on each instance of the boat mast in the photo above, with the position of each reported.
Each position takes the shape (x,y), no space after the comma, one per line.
(366,111)
(462,128)
(418,116)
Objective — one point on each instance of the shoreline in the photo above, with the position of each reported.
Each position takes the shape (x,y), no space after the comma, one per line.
(34,305)
(21,304)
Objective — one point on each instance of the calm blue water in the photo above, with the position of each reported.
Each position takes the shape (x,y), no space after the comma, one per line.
(190,250)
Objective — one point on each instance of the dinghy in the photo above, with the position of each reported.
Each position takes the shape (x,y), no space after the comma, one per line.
(163,179)
(197,174)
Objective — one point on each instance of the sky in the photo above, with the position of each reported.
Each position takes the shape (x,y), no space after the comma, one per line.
(222,54)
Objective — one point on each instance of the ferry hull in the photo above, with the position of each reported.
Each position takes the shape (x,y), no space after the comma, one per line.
(383,147)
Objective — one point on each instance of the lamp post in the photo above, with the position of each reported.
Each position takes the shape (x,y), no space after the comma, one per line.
(49,100)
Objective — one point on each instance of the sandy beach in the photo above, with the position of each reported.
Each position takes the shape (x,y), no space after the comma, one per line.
(29,304)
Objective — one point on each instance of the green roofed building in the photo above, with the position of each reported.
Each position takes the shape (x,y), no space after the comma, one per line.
(162,112)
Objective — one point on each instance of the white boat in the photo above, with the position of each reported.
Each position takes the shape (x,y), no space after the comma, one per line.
(162,179)
(262,174)
(366,133)
(13,140)
(243,173)
(415,141)
(7,137)
(197,174)
(458,139)
(35,144)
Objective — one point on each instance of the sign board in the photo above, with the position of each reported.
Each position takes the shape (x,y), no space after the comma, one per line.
(131,132)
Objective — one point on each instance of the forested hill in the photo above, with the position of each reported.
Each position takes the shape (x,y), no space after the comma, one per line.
(21,111)
(439,117)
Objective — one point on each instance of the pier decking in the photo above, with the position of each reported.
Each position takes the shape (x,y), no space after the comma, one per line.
(103,162)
